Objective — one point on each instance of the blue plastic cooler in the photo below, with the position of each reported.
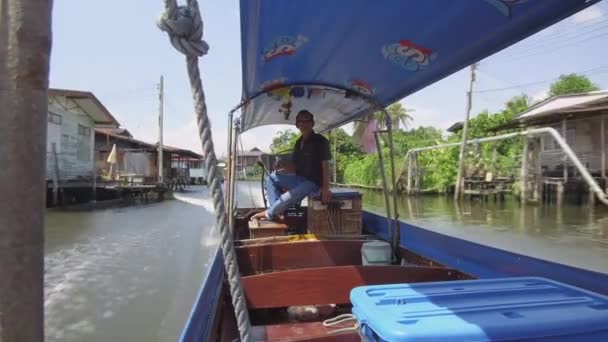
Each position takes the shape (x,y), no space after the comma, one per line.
(509,309)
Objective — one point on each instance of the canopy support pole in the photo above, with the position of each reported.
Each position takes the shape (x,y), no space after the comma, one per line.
(387,203)
(396,232)
(25,32)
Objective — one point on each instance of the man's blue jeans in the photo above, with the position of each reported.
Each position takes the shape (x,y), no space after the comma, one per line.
(297,188)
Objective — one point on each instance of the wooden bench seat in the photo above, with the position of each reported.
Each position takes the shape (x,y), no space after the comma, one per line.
(330,285)
(257,259)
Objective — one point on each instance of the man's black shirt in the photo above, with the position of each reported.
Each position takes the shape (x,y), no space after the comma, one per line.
(308,155)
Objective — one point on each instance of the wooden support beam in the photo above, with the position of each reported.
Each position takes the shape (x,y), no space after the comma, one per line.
(603,143)
(26,39)
(560,194)
(330,285)
(565,162)
(537,170)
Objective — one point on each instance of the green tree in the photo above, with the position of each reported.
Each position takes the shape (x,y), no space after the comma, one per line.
(398,114)
(571,84)
(283,140)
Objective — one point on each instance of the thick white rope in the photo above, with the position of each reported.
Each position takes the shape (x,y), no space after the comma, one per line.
(184,26)
(340,319)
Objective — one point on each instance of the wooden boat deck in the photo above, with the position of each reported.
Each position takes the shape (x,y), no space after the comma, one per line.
(283,272)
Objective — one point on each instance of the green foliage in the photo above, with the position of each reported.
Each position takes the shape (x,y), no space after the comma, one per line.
(571,84)
(283,141)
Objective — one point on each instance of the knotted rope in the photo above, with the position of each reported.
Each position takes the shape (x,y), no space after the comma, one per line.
(184,26)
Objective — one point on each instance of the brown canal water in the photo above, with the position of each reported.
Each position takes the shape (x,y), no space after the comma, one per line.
(132,273)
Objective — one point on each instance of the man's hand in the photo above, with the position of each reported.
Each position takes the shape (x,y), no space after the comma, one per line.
(325,195)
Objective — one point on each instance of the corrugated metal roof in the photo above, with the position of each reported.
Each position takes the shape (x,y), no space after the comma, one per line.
(89,103)
(563,103)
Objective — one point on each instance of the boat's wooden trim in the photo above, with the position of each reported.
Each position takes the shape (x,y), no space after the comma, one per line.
(314,331)
(296,255)
(330,285)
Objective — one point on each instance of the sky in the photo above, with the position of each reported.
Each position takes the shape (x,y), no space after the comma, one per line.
(114,49)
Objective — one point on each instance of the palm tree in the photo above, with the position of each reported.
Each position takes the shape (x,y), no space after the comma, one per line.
(398,114)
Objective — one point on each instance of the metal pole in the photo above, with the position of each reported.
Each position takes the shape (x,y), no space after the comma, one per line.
(232,172)
(235,137)
(389,220)
(160,131)
(457,190)
(335,156)
(25,47)
(396,230)
(228,163)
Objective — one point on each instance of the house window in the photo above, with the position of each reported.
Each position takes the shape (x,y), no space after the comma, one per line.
(54,119)
(84,143)
(571,136)
(551,145)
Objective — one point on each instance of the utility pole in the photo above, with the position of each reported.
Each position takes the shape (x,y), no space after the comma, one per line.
(25,50)
(458,189)
(160,131)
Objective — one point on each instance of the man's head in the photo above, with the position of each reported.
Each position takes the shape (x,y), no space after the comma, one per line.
(305,122)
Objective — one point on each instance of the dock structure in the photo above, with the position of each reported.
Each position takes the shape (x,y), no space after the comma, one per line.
(487,188)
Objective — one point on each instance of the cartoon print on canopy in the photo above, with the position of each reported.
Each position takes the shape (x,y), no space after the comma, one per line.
(362,87)
(504,6)
(408,55)
(274,83)
(283,46)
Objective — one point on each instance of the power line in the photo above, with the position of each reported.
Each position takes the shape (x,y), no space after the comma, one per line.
(560,36)
(541,48)
(599,69)
(544,52)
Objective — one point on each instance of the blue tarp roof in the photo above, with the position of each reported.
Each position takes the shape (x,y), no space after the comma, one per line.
(341,59)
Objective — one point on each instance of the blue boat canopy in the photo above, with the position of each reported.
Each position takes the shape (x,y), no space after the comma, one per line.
(343,59)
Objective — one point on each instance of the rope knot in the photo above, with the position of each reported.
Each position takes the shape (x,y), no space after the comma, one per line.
(184,26)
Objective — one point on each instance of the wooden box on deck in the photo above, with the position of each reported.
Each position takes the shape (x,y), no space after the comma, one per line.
(262,229)
(350,215)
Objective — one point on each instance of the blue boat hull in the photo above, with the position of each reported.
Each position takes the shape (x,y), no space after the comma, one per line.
(468,257)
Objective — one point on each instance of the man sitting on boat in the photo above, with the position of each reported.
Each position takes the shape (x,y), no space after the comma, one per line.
(311,160)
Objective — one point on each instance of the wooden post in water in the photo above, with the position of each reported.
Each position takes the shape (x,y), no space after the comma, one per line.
(560,193)
(537,171)
(25,47)
(603,142)
(565,162)
(524,172)
(416,173)
(410,170)
(55,178)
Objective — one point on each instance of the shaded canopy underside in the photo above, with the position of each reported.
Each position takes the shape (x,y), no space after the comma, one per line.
(342,59)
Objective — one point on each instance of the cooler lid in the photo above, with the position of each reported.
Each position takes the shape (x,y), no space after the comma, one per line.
(479,310)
